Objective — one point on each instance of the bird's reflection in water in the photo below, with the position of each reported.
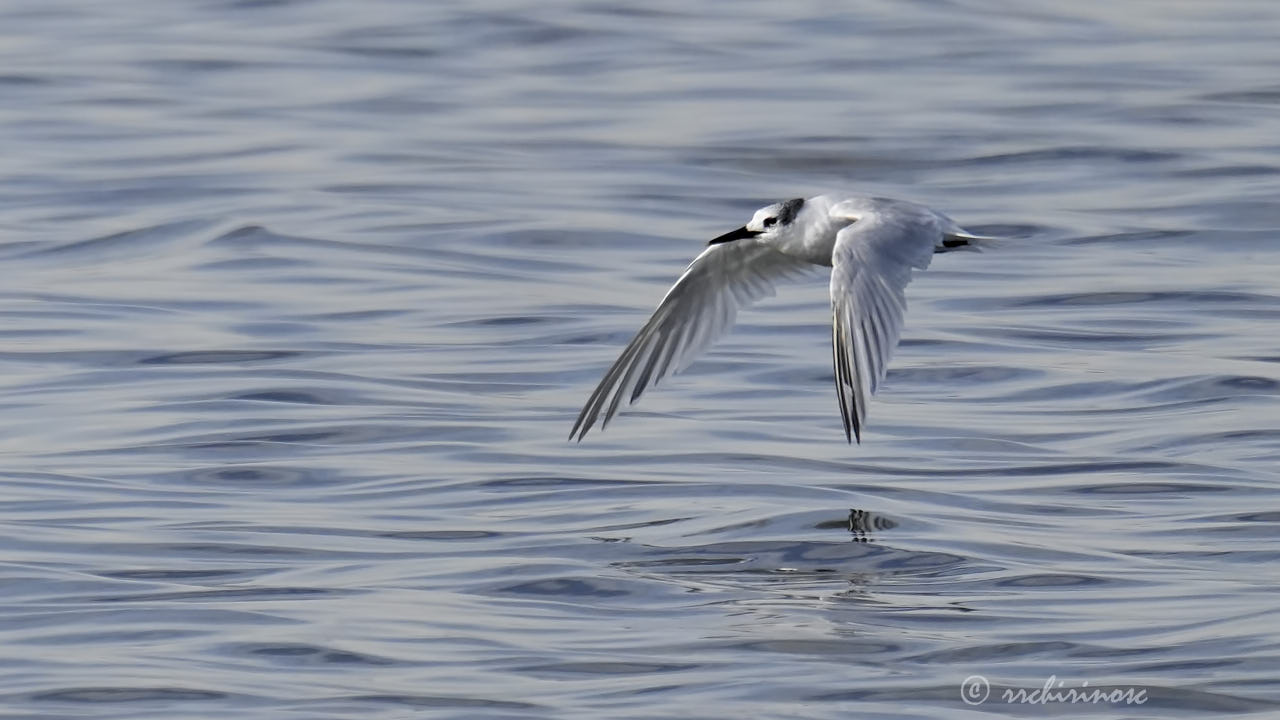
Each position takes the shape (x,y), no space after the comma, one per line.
(861,524)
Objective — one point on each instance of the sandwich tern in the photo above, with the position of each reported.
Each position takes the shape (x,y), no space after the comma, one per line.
(871,245)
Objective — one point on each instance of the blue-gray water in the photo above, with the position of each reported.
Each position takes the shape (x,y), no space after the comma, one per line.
(300,300)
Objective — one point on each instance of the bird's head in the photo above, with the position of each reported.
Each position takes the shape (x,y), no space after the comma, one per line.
(768,224)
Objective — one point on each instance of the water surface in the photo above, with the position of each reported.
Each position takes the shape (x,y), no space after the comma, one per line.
(302,298)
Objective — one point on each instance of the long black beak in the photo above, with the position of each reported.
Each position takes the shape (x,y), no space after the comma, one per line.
(732,235)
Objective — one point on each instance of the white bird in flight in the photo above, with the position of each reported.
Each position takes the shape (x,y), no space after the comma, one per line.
(871,245)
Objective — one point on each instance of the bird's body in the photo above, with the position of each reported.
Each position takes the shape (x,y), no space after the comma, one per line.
(871,245)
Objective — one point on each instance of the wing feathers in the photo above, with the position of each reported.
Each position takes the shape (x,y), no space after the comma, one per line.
(699,308)
(871,266)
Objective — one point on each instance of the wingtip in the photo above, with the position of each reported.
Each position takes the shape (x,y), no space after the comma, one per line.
(853,435)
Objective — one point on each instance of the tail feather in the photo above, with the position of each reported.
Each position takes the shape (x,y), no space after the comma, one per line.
(965,241)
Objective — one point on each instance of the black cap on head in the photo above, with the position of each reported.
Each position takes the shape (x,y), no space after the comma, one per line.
(789,210)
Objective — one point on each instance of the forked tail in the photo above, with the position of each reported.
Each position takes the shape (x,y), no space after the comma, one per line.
(965,241)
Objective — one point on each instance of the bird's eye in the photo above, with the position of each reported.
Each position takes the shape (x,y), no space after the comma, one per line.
(769,221)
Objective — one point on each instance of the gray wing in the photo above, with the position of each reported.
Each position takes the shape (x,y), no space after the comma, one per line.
(699,308)
(871,266)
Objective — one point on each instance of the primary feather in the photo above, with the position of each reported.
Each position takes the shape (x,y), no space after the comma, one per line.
(697,310)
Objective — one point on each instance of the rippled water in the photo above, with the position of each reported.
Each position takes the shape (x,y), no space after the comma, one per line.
(301,298)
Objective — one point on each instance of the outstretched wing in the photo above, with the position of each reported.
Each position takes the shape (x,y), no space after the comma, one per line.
(699,308)
(871,266)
